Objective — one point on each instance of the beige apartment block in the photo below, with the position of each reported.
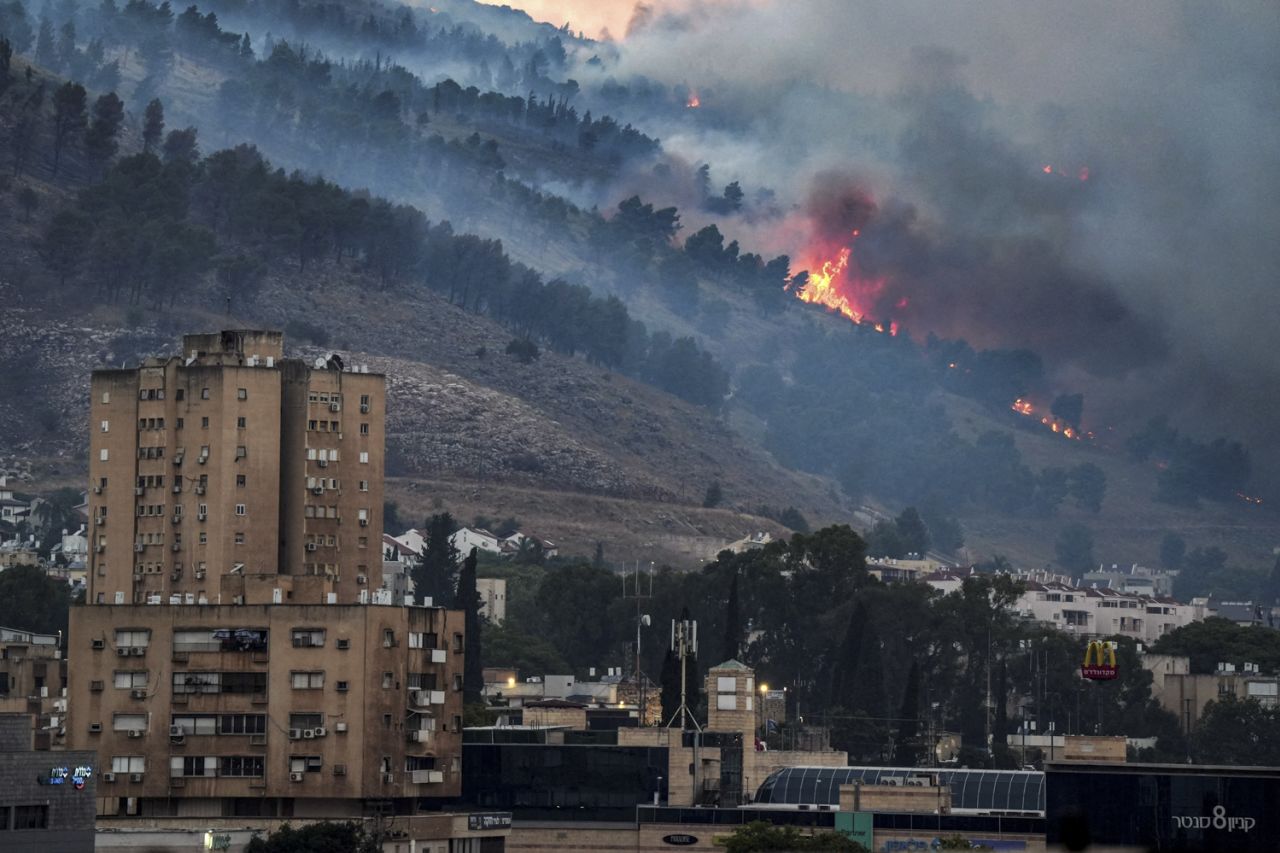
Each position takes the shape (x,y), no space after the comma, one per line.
(234,658)
(229,459)
(267,710)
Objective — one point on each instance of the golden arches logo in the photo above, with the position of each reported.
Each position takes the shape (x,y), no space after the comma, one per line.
(1099,661)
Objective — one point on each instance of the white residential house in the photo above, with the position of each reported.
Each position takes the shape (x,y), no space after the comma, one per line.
(512,544)
(475,537)
(493,599)
(412,540)
(74,547)
(12,510)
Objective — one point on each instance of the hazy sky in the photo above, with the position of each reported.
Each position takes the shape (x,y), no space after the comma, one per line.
(587,16)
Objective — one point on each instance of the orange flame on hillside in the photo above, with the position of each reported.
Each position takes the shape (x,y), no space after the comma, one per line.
(1028,410)
(836,286)
(694,101)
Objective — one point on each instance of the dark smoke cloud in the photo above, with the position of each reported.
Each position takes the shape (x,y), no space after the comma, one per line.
(1152,283)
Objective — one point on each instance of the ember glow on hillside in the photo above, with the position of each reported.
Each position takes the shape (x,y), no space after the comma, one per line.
(837,284)
(1054,424)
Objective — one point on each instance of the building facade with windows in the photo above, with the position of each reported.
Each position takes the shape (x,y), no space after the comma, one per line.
(234,658)
(230,459)
(46,798)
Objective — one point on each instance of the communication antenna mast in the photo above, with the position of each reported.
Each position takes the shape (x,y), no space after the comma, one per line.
(684,642)
(639,592)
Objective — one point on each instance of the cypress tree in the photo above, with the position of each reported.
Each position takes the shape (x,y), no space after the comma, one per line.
(468,601)
(906,749)
(732,623)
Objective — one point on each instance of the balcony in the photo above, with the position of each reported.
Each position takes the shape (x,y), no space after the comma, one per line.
(423,698)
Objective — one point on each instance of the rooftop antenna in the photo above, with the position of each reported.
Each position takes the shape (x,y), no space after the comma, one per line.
(639,592)
(684,642)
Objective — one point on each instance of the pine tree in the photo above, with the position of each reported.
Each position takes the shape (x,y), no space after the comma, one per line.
(153,126)
(46,45)
(434,575)
(906,749)
(732,623)
(69,117)
(468,601)
(100,140)
(597,562)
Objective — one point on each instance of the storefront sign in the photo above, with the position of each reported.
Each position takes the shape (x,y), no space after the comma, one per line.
(74,776)
(1219,821)
(496,820)
(680,840)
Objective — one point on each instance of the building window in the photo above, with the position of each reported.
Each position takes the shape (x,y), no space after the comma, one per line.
(307,680)
(305,763)
(130,679)
(133,638)
(128,764)
(204,538)
(241,481)
(457,642)
(240,509)
(239,537)
(240,423)
(31,817)
(196,724)
(106,396)
(306,721)
(106,426)
(364,429)
(180,423)
(240,765)
(192,765)
(242,724)
(388,638)
(242,393)
(362,542)
(457,683)
(364,457)
(364,485)
(204,395)
(308,637)
(102,455)
(180,394)
(242,452)
(204,422)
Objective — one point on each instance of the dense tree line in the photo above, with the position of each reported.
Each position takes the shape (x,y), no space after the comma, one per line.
(153,225)
(1189,469)
(857,655)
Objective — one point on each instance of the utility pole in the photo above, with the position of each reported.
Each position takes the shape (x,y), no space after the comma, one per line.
(684,642)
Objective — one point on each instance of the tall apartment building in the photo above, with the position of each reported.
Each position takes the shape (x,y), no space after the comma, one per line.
(234,657)
(231,461)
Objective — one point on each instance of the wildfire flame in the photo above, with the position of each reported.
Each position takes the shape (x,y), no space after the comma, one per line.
(694,101)
(1249,499)
(830,286)
(1027,409)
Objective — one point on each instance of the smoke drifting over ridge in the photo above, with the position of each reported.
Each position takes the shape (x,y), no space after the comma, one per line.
(1151,281)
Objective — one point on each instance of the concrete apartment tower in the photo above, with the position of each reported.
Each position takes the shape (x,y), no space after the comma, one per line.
(235,657)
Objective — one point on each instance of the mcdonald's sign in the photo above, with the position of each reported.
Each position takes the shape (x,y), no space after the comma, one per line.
(1099,661)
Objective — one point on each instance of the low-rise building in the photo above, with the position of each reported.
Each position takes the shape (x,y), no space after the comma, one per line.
(33,682)
(466,538)
(46,798)
(1185,694)
(493,599)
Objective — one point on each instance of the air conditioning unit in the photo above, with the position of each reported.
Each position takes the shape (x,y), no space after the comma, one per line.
(317,490)
(201,516)
(202,459)
(364,522)
(137,577)
(339,770)
(137,547)
(199,574)
(135,733)
(139,693)
(98,643)
(321,731)
(175,577)
(295,777)
(361,579)
(323,463)
(421,697)
(123,651)
(95,728)
(364,408)
(294,734)
(138,651)
(311,546)
(108,777)
(97,490)
(199,490)
(177,488)
(135,777)
(388,778)
(137,490)
(257,740)
(340,728)
(308,734)
(100,520)
(177,546)
(334,407)
(177,519)
(177,459)
(177,731)
(100,549)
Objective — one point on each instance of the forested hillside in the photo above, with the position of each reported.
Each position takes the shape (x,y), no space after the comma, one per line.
(401,183)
